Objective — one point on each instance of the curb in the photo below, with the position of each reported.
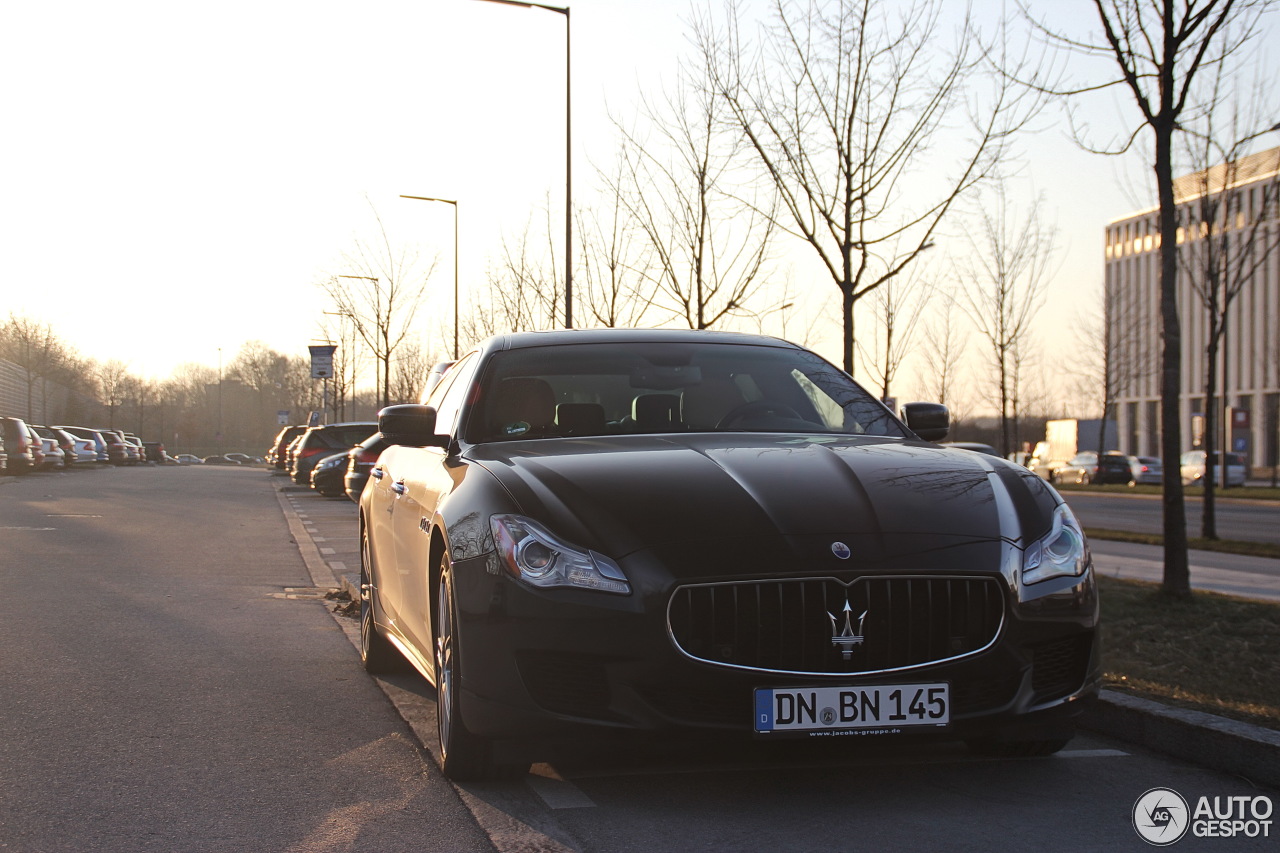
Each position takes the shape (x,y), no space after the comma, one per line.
(1241,749)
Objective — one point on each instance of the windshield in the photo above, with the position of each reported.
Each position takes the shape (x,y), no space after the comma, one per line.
(635,388)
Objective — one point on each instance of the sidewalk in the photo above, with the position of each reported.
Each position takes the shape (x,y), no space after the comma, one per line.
(1249,577)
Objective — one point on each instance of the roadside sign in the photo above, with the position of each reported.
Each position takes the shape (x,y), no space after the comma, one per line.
(322,361)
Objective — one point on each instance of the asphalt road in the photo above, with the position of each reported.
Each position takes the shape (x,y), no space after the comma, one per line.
(168,686)
(1245,520)
(160,692)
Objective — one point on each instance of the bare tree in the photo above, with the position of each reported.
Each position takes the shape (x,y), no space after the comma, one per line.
(381,295)
(1003,279)
(708,250)
(845,104)
(1225,242)
(1108,360)
(113,379)
(1158,48)
(898,302)
(944,349)
(38,352)
(337,330)
(413,363)
(612,282)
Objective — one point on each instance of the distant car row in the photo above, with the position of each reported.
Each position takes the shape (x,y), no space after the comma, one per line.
(216,459)
(25,447)
(333,459)
(1114,467)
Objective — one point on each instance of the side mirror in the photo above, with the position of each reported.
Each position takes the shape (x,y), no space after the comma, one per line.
(411,425)
(930,421)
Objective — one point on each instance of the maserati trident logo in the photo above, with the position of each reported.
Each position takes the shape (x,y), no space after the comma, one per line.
(844,635)
(841,550)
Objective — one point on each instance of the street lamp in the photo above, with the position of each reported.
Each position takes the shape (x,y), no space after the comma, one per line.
(568,156)
(455,262)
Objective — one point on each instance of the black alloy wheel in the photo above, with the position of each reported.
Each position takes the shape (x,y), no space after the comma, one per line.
(464,757)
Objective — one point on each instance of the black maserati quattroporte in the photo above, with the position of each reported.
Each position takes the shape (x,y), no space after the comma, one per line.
(685,532)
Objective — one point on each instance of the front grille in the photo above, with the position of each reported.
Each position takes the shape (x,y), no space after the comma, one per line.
(822,626)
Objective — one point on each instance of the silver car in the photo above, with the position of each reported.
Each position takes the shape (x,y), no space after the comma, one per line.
(1193,465)
(1146,470)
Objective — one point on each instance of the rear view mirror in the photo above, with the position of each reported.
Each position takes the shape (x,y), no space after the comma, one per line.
(411,425)
(930,421)
(665,378)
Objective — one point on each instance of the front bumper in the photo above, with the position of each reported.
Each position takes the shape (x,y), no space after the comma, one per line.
(543,663)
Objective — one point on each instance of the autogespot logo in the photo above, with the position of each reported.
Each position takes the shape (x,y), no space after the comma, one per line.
(1160,816)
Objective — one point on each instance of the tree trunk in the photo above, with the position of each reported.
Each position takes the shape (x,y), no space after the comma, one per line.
(1177,570)
(1208,520)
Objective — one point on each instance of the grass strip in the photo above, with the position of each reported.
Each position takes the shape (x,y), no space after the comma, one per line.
(1225,546)
(1211,652)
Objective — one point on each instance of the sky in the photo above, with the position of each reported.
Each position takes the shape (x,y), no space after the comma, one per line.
(178,177)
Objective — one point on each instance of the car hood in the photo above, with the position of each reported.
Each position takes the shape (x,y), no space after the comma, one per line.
(622,494)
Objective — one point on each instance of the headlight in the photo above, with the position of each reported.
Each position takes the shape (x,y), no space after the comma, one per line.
(1064,552)
(536,556)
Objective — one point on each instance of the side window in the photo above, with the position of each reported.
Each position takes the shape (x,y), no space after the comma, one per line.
(451,393)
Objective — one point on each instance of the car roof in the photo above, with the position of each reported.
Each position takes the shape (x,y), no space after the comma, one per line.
(518,340)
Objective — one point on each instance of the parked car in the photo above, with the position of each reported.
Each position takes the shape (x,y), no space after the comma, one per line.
(187,459)
(437,372)
(327,475)
(155,452)
(85,439)
(133,445)
(1145,471)
(360,461)
(277,456)
(37,447)
(117,448)
(1089,467)
(321,441)
(54,446)
(291,453)
(19,446)
(1193,468)
(706,533)
(219,459)
(243,458)
(75,450)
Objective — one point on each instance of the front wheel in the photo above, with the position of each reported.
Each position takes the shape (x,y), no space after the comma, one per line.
(464,757)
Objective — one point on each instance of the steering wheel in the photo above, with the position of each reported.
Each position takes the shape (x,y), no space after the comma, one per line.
(756,407)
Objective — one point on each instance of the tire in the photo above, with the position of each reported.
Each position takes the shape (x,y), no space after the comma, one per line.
(1016,748)
(464,757)
(377,654)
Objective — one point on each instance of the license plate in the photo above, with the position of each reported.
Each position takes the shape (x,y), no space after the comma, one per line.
(852,709)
